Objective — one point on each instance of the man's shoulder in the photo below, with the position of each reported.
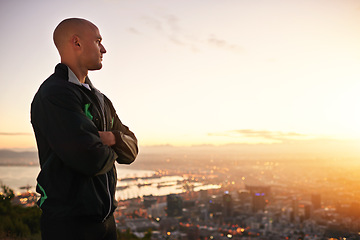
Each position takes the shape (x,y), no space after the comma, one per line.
(52,86)
(108,102)
(57,84)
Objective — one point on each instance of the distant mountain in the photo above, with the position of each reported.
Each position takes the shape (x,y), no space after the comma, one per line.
(10,157)
(159,156)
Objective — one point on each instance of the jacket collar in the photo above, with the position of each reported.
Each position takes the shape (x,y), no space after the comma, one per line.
(73,79)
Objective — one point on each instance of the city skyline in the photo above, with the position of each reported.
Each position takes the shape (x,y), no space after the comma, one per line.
(188,73)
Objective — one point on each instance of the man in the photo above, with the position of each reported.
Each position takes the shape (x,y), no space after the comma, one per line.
(79,137)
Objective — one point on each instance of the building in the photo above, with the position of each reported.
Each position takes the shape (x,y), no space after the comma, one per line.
(174,205)
(149,201)
(228,205)
(260,197)
(316,201)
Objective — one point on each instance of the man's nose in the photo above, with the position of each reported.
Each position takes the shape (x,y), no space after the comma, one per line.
(102,49)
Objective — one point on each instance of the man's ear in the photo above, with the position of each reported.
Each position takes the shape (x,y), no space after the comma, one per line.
(75,41)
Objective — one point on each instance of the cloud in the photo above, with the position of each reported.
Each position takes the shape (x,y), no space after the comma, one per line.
(133,31)
(177,41)
(172,22)
(262,134)
(169,26)
(153,23)
(223,44)
(165,23)
(14,134)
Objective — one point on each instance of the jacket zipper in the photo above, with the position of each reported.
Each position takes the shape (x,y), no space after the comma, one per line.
(106,174)
(104,129)
(108,189)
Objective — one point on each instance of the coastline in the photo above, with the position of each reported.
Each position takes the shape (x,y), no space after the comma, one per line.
(132,182)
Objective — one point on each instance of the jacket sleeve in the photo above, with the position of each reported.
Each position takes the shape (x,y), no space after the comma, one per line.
(126,145)
(72,136)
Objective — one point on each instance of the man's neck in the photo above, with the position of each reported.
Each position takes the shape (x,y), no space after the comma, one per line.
(79,73)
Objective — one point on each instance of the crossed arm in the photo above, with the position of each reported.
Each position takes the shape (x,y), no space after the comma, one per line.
(107,138)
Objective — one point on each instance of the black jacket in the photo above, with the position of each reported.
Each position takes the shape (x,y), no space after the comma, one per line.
(78,175)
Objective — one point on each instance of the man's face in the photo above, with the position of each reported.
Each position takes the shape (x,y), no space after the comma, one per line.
(92,49)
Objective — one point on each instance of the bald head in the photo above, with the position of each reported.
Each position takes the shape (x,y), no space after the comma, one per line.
(68,28)
(79,44)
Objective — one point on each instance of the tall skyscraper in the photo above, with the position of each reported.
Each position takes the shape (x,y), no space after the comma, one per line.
(149,200)
(295,208)
(227,203)
(316,201)
(307,211)
(260,197)
(204,196)
(174,205)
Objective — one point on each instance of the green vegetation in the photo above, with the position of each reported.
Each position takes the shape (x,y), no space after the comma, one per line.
(130,236)
(17,222)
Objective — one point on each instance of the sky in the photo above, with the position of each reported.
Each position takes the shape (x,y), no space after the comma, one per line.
(195,72)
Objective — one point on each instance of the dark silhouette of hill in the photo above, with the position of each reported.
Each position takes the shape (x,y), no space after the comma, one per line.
(160,156)
(10,157)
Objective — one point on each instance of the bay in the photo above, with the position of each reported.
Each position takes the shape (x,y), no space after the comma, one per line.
(132,183)
(17,177)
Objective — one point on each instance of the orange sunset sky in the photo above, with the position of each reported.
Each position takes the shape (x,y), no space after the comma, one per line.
(198,72)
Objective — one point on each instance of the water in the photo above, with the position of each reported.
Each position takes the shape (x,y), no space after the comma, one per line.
(19,176)
(16,177)
(137,183)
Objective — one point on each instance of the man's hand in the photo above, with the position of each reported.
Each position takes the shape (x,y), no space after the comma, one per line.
(108,138)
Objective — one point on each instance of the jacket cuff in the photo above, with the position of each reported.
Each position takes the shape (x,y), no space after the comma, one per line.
(118,139)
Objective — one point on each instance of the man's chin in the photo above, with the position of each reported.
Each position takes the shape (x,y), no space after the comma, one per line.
(97,67)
